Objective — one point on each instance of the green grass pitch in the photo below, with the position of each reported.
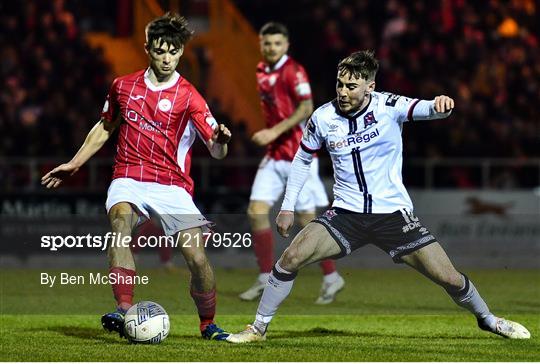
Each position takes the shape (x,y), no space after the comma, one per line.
(382,315)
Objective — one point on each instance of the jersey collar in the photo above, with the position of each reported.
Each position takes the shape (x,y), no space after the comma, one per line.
(164,86)
(278,64)
(351,116)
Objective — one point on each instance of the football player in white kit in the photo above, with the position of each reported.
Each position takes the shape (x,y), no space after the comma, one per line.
(361,129)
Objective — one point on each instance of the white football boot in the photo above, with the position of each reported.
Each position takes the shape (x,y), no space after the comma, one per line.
(508,329)
(249,335)
(329,291)
(253,292)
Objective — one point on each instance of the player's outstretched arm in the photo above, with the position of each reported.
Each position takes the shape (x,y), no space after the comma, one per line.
(95,139)
(217,145)
(438,108)
(267,136)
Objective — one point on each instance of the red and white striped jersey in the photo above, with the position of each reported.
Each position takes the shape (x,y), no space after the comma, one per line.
(158,127)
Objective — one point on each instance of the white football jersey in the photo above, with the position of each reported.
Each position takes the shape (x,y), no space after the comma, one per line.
(366,151)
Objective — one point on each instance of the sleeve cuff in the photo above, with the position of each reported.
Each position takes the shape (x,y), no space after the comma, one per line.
(411,109)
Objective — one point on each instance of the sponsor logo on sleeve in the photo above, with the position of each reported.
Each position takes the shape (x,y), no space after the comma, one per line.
(309,130)
(311,126)
(392,99)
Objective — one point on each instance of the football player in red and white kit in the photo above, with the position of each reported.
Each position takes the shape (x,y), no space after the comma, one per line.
(159,114)
(286,103)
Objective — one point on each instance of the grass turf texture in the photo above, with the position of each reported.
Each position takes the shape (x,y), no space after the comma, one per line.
(382,315)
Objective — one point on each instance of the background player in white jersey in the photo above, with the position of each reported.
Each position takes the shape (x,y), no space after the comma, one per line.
(159,114)
(286,103)
(361,129)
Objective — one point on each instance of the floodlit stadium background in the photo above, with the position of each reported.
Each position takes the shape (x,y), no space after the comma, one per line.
(474,178)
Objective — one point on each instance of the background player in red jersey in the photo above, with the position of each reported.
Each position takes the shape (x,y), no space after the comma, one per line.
(286,103)
(158,114)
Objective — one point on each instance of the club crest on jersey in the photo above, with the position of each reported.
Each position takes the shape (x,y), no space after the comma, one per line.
(369,119)
(164,104)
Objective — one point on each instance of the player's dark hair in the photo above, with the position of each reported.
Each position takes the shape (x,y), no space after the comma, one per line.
(360,64)
(170,28)
(274,28)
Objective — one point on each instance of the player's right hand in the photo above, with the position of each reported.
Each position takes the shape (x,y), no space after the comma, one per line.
(284,222)
(55,177)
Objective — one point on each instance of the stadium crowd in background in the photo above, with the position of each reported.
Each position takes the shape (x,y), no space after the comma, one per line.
(489,49)
(41,43)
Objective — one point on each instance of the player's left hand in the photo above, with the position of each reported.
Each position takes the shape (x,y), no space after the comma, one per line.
(221,134)
(284,222)
(443,103)
(264,137)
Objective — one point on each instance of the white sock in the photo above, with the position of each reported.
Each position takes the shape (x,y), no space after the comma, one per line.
(263,277)
(469,298)
(277,288)
(330,278)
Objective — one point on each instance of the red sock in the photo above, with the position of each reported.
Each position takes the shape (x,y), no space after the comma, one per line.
(263,245)
(123,293)
(206,306)
(328,266)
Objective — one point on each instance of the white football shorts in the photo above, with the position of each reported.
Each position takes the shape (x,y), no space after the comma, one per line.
(271,180)
(171,205)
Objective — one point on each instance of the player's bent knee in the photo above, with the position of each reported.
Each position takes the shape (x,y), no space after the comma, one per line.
(258,215)
(121,217)
(120,224)
(291,259)
(197,261)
